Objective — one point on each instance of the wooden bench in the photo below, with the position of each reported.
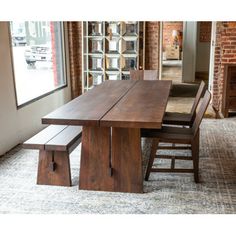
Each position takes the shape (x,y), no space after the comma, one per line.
(55,143)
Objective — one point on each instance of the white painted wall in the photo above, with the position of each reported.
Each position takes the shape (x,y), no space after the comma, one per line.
(189,50)
(203,53)
(18,125)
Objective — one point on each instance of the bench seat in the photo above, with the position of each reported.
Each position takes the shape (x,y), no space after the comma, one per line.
(55,143)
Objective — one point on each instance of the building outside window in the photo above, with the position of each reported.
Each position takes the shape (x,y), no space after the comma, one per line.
(38,58)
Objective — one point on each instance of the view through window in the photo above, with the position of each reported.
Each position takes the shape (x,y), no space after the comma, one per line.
(38,58)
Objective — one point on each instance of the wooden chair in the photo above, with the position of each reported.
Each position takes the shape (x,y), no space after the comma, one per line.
(144,74)
(177,135)
(185,119)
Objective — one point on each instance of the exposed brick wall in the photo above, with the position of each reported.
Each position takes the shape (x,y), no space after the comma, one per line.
(75,57)
(225,52)
(168,27)
(152,45)
(205,31)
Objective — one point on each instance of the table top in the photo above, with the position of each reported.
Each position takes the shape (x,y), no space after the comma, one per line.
(121,103)
(142,107)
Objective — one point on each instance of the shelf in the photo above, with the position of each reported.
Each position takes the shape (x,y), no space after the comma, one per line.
(111,49)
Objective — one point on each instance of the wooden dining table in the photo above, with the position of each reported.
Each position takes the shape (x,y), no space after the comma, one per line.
(112,115)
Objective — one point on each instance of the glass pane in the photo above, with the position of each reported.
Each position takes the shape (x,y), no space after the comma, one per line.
(112,63)
(85,81)
(130,28)
(125,76)
(129,63)
(95,45)
(129,45)
(95,63)
(112,28)
(95,79)
(113,45)
(95,28)
(38,58)
(113,76)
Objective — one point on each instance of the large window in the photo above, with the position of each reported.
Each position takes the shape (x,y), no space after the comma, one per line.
(38,58)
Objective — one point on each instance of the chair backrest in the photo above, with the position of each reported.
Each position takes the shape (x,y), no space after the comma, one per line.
(201,111)
(200,91)
(144,74)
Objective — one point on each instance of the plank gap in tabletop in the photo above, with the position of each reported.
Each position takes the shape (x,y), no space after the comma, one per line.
(142,107)
(89,108)
(124,94)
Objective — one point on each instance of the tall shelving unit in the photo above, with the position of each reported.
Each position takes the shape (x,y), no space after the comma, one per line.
(110,50)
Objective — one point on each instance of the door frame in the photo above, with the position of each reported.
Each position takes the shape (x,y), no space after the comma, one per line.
(189,51)
(161,49)
(212,56)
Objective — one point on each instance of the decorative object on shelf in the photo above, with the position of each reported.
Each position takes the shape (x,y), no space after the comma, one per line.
(175,37)
(110,50)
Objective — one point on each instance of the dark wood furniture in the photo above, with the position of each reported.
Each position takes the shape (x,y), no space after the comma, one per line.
(229,91)
(186,119)
(55,143)
(177,135)
(144,74)
(111,115)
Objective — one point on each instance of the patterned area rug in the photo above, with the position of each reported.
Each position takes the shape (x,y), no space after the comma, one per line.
(164,193)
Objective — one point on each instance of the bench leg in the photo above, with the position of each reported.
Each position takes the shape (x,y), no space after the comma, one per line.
(54,168)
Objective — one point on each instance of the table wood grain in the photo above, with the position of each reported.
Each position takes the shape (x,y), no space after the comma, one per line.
(89,108)
(143,106)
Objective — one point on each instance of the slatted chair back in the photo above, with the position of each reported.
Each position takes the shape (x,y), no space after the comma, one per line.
(144,74)
(200,91)
(201,111)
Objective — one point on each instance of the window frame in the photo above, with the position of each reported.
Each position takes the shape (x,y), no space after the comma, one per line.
(65,70)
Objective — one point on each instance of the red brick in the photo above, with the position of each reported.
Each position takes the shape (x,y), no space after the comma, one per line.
(228,55)
(168,27)
(232,60)
(225,52)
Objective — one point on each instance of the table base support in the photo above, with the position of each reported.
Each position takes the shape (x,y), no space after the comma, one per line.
(101,151)
(127,160)
(95,156)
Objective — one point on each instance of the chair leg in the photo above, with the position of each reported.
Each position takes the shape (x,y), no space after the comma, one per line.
(155,143)
(195,155)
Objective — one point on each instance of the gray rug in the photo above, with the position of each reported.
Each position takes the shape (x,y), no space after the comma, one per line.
(164,193)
